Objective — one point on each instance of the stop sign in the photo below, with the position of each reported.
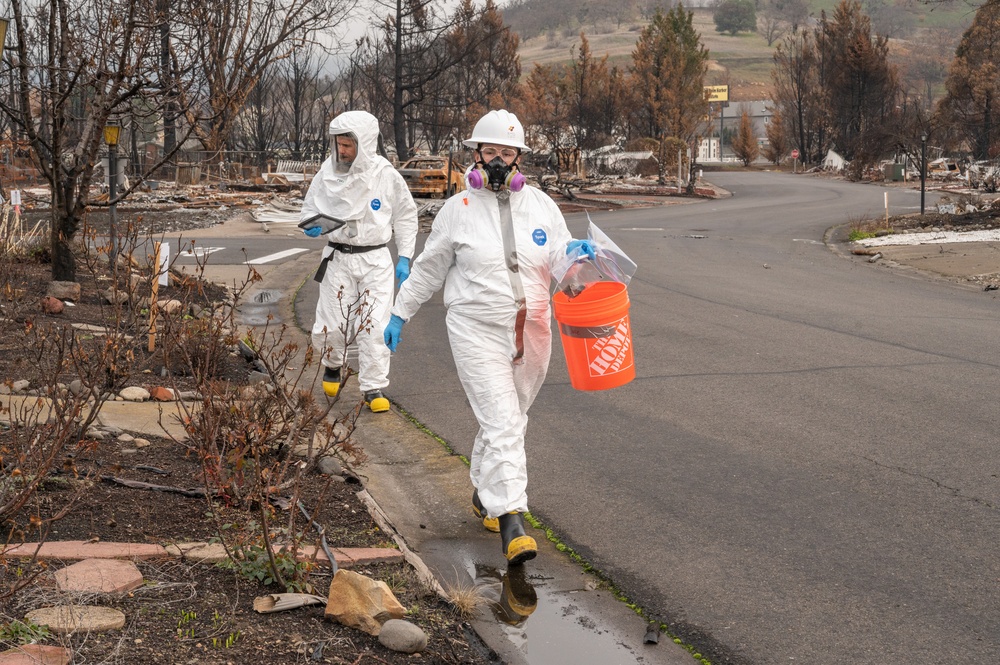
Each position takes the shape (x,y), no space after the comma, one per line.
(795,153)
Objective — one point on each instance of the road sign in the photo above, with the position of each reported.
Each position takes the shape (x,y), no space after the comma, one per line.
(795,153)
(716,93)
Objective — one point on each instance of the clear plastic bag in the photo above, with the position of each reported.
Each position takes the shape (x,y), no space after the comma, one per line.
(574,272)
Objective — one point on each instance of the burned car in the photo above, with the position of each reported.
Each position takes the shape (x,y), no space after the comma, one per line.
(428,176)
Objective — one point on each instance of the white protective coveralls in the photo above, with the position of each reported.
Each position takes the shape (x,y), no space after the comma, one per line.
(374,200)
(465,252)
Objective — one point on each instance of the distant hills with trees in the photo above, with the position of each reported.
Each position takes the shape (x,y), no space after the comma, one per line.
(634,75)
(866,78)
(922,35)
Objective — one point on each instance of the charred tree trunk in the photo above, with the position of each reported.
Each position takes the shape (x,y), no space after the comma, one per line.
(65,222)
(167,84)
(398,115)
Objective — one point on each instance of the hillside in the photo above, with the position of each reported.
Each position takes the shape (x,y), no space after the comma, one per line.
(746,58)
(743,62)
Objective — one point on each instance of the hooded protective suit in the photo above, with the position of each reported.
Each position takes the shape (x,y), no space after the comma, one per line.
(374,201)
(496,276)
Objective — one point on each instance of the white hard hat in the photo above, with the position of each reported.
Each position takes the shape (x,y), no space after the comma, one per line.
(500,128)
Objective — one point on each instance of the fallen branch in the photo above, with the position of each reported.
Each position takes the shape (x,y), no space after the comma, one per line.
(152,469)
(194,492)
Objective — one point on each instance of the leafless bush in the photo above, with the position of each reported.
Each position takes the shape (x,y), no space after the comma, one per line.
(16,238)
(42,432)
(257,441)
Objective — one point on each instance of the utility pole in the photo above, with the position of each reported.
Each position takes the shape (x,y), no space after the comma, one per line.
(923,169)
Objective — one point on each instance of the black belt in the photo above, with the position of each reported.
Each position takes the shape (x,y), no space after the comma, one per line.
(346,249)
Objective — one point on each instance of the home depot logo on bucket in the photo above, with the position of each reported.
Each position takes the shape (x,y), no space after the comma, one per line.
(612,353)
(596,336)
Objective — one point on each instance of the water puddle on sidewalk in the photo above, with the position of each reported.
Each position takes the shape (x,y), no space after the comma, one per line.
(539,618)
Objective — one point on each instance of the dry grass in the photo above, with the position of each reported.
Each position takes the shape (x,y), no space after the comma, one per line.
(465,599)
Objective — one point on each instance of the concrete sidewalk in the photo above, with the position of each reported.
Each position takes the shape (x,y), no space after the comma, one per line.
(150,418)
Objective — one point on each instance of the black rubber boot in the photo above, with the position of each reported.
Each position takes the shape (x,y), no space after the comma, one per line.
(331,381)
(517,546)
(376,401)
(490,523)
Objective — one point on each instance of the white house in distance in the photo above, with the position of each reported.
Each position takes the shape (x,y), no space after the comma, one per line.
(727,125)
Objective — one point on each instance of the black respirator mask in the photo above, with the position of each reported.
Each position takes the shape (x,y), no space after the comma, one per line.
(496,175)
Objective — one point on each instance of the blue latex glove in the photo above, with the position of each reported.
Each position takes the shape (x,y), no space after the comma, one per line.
(402,269)
(393,334)
(584,246)
(314,232)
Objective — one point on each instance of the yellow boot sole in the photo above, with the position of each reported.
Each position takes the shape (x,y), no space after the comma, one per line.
(331,388)
(489,523)
(521,549)
(379,405)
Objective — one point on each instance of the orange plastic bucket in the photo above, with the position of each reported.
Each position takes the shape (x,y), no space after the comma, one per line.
(596,336)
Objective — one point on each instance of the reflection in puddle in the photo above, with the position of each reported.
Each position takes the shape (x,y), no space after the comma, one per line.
(548,612)
(543,622)
(512,600)
(510,594)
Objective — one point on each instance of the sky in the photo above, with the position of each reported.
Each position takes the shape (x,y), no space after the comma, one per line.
(361,21)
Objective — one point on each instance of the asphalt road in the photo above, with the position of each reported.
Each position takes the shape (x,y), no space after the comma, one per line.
(805,468)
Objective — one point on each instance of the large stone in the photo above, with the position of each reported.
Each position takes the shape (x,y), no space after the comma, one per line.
(64,290)
(162,394)
(361,602)
(330,466)
(170,306)
(134,394)
(52,306)
(114,297)
(36,654)
(246,351)
(99,576)
(258,377)
(402,636)
(68,619)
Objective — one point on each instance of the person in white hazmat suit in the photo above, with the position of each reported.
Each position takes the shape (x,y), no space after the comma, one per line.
(492,248)
(361,201)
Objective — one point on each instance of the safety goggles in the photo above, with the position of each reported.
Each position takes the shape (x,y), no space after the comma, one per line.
(490,153)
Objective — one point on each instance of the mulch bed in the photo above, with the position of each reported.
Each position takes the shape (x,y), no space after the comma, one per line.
(185,612)
(21,318)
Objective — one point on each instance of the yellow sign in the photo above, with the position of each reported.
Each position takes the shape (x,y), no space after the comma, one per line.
(716,93)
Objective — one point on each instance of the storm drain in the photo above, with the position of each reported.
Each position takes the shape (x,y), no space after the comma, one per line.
(266,296)
(259,309)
